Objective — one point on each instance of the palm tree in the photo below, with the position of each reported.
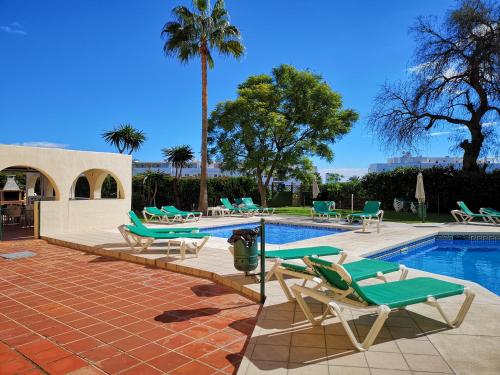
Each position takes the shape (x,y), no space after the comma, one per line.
(194,33)
(179,157)
(125,137)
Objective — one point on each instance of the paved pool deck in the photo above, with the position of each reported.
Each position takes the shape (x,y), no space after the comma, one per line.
(413,341)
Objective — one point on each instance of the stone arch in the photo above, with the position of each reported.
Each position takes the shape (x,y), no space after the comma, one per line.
(32,178)
(95,178)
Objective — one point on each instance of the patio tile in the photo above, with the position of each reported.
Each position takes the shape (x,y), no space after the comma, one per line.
(130,343)
(142,369)
(196,349)
(267,367)
(49,355)
(118,363)
(101,353)
(433,363)
(65,365)
(382,360)
(15,367)
(169,361)
(193,367)
(148,351)
(337,357)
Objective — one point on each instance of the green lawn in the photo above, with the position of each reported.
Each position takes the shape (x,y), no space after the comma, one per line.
(403,217)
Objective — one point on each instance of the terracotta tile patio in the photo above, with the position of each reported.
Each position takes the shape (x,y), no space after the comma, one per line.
(64,311)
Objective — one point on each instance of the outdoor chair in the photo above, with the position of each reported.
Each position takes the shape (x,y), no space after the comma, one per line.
(138,223)
(465,215)
(184,215)
(341,290)
(140,239)
(371,211)
(361,269)
(248,202)
(154,214)
(321,209)
(235,209)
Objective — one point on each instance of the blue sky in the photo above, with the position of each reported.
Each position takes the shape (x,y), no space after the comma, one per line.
(71,69)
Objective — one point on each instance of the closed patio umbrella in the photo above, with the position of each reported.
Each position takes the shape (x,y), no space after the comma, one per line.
(315,188)
(420,195)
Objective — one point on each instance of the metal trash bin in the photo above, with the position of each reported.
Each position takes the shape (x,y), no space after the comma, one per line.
(246,249)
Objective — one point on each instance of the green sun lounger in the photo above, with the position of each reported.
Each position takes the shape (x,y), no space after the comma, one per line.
(138,223)
(233,209)
(339,289)
(140,239)
(185,215)
(154,214)
(248,202)
(465,215)
(322,210)
(361,270)
(371,211)
(495,214)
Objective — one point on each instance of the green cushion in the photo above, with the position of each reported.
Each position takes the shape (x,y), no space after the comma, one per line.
(138,223)
(299,253)
(407,292)
(156,211)
(368,268)
(295,267)
(466,209)
(146,232)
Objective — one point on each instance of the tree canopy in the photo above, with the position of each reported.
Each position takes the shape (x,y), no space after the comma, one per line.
(125,138)
(198,32)
(276,122)
(455,82)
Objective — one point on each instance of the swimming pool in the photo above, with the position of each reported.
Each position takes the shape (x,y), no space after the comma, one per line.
(277,234)
(474,260)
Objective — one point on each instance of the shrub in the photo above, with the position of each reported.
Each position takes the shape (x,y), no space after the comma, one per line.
(219,187)
(443,187)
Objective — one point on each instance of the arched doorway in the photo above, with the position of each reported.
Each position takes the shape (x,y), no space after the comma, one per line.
(20,188)
(96,184)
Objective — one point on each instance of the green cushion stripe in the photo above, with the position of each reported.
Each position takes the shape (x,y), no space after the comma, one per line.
(145,232)
(302,252)
(295,267)
(368,268)
(408,292)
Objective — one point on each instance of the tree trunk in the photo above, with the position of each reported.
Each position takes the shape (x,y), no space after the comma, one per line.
(203,199)
(472,149)
(176,194)
(262,189)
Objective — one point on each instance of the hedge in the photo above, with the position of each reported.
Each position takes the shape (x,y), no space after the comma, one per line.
(443,188)
(231,187)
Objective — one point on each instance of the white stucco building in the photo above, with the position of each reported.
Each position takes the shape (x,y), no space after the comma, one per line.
(193,169)
(407,161)
(55,172)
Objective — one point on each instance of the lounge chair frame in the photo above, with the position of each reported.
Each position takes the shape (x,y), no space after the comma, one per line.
(150,217)
(325,215)
(336,299)
(182,216)
(367,218)
(461,216)
(139,244)
(309,275)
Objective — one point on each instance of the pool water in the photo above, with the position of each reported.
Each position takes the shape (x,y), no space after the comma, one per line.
(473,260)
(277,234)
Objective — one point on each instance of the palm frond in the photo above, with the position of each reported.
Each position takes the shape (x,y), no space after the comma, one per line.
(231,47)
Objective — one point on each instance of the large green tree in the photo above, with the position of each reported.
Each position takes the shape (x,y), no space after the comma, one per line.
(195,34)
(454,84)
(276,122)
(179,157)
(125,138)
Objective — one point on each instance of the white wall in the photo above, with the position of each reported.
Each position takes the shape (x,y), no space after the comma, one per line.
(62,168)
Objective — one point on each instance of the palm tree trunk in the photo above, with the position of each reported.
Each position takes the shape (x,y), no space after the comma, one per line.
(203,199)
